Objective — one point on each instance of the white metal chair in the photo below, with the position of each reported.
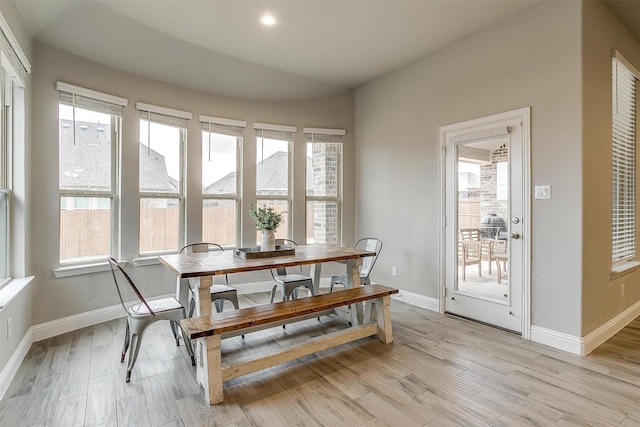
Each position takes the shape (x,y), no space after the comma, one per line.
(287,282)
(143,314)
(218,292)
(368,244)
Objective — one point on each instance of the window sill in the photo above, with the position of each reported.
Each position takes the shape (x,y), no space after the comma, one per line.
(78,270)
(624,268)
(12,288)
(149,260)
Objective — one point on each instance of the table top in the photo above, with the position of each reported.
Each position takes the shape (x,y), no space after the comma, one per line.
(218,263)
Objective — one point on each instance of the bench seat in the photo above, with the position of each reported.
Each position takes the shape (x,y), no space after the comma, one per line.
(247,319)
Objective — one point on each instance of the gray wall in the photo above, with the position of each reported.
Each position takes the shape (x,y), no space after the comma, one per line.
(58,298)
(531,59)
(603,298)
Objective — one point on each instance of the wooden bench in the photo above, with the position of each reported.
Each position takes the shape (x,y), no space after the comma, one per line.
(244,320)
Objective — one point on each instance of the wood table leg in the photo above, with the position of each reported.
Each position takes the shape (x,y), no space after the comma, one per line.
(353,277)
(316,269)
(203,308)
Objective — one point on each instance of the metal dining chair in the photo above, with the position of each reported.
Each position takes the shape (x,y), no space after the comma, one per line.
(286,281)
(143,314)
(219,293)
(366,244)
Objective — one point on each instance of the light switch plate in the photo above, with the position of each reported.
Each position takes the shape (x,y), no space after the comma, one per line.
(543,192)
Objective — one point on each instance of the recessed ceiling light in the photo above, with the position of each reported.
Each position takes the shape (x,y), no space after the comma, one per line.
(268,20)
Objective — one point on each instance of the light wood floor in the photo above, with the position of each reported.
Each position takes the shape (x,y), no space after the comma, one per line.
(440,371)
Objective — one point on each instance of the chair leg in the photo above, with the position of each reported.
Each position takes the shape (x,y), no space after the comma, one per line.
(192,306)
(174,329)
(189,345)
(126,342)
(273,293)
(219,304)
(133,355)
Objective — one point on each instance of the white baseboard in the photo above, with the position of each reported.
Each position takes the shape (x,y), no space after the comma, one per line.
(585,345)
(75,322)
(417,300)
(609,329)
(559,340)
(10,369)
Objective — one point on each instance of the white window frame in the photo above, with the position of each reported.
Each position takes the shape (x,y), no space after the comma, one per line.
(213,125)
(180,118)
(117,103)
(15,68)
(5,169)
(322,136)
(624,153)
(280,132)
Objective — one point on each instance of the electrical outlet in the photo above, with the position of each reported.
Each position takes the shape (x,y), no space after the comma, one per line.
(9,328)
(394,271)
(622,291)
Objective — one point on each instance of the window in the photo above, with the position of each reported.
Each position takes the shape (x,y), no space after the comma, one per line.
(89,139)
(624,109)
(273,170)
(323,185)
(221,178)
(163,135)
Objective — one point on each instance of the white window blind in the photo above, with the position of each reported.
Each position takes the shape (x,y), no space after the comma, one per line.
(163,115)
(624,158)
(88,99)
(223,126)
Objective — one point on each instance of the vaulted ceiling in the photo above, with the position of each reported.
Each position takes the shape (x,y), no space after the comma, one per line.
(319,47)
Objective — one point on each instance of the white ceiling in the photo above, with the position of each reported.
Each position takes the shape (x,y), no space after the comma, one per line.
(319,47)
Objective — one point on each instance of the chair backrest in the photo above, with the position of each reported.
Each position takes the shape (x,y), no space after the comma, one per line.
(370,244)
(470,233)
(201,247)
(282,271)
(116,267)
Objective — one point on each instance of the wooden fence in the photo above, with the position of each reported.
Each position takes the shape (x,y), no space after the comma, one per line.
(85,233)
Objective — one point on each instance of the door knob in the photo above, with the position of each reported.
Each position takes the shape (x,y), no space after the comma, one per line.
(515,235)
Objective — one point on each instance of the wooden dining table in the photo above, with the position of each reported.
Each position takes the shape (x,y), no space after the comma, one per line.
(205,266)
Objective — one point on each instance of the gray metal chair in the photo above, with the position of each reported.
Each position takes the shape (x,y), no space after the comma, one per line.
(144,314)
(218,292)
(367,244)
(285,281)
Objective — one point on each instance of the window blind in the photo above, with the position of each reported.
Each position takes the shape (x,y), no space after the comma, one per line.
(223,126)
(624,157)
(88,99)
(268,131)
(163,115)
(324,135)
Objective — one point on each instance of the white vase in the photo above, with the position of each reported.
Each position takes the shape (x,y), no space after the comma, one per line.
(268,241)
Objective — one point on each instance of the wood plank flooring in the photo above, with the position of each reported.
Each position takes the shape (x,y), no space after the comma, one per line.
(440,371)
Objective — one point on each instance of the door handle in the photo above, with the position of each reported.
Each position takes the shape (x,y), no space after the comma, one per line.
(515,235)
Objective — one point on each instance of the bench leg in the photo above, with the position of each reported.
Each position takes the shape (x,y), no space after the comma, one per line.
(213,367)
(383,319)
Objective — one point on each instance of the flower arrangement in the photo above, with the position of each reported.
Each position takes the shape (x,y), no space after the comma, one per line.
(265,219)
